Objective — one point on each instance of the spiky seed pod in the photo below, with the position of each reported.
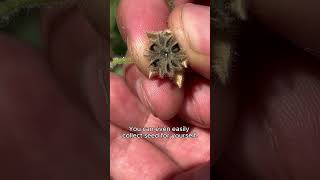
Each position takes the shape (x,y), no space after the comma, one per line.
(167,59)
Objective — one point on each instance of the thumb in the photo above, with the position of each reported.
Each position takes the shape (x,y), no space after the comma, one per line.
(190,23)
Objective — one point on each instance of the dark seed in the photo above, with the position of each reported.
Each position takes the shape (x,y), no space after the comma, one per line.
(175,48)
(155,63)
(168,67)
(153,47)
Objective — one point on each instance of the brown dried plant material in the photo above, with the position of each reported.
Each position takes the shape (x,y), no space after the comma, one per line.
(166,58)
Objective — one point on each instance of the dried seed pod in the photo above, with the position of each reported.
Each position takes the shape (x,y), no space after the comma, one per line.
(166,57)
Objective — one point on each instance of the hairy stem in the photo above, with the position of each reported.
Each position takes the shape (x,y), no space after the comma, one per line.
(119,61)
(170,4)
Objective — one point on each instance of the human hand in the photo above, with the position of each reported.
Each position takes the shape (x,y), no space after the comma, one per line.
(276,130)
(52,124)
(141,102)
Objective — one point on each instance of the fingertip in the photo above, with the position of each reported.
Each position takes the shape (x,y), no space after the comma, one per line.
(134,19)
(163,98)
(190,24)
(196,106)
(125,108)
(196,23)
(160,96)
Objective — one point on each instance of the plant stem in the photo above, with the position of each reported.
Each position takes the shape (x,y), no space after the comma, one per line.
(170,4)
(119,61)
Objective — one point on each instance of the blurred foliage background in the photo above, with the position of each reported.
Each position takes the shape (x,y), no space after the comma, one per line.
(25,26)
(118,47)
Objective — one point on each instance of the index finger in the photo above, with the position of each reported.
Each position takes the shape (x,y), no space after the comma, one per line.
(135,18)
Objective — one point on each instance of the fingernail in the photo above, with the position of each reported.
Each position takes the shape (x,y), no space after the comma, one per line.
(196,24)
